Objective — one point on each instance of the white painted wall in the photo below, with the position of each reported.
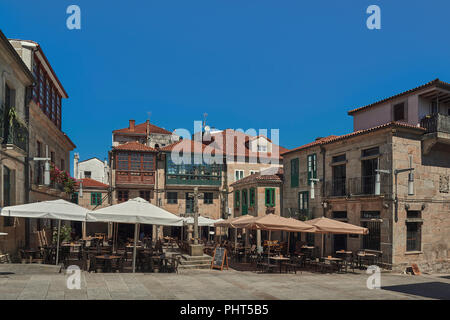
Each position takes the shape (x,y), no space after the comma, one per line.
(99,171)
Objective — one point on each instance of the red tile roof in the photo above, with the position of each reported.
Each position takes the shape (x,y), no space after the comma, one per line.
(333,138)
(191,146)
(140,129)
(91,183)
(435,82)
(134,146)
(243,150)
(258,177)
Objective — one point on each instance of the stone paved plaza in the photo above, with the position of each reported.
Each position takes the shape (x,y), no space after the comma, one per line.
(33,282)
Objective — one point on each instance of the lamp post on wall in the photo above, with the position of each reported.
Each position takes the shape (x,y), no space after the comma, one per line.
(396,172)
(313,182)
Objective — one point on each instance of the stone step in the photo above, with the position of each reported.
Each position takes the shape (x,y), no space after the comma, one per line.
(184,262)
(205,257)
(194,266)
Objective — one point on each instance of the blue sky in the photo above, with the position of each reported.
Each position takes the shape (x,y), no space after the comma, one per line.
(293,65)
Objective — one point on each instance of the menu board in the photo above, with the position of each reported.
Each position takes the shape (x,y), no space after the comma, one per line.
(219,258)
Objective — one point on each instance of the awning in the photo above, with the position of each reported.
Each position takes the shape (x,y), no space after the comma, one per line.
(326,225)
(272,222)
(135,210)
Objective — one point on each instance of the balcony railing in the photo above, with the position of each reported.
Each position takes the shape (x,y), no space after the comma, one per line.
(13,133)
(365,185)
(135,177)
(188,179)
(436,123)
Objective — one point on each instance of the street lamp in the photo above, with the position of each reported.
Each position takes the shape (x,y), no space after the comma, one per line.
(313,181)
(396,172)
(46,166)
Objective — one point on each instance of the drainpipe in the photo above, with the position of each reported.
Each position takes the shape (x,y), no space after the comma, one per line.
(323,152)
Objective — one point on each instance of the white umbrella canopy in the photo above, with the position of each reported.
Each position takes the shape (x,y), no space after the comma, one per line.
(135,210)
(53,209)
(202,221)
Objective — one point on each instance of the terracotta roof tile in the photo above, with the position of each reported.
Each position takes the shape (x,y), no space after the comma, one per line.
(238,136)
(142,129)
(134,146)
(333,138)
(192,146)
(435,82)
(91,183)
(258,177)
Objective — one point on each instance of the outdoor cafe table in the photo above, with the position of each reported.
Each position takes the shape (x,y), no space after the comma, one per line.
(337,261)
(108,259)
(364,255)
(279,260)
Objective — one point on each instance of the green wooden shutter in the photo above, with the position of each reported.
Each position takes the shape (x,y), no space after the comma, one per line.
(312,167)
(236,199)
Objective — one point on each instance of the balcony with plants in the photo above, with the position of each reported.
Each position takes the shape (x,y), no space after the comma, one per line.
(13,131)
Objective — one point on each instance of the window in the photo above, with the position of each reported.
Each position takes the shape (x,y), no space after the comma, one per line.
(122,161)
(52,157)
(399,111)
(87,174)
(237,203)
(74,198)
(172,197)
(448,111)
(252,196)
(238,174)
(253,172)
(135,163)
(413,236)
(96,198)
(147,162)
(303,200)
(123,195)
(270,197)
(371,241)
(262,148)
(339,214)
(312,167)
(145,194)
(294,172)
(208,197)
(339,158)
(375,151)
(63,164)
(339,180)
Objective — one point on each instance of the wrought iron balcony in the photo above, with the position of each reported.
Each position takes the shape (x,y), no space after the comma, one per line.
(358,186)
(436,123)
(190,179)
(14,134)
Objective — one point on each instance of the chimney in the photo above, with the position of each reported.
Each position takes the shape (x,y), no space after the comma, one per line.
(147,132)
(131,126)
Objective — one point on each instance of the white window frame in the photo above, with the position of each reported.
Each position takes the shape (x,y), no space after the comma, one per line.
(241,174)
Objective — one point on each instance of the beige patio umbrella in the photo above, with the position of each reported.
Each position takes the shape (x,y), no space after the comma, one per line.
(272,222)
(325,225)
(229,223)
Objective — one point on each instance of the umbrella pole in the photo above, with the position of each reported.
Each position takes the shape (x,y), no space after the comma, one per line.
(57,242)
(289,238)
(268,250)
(136,227)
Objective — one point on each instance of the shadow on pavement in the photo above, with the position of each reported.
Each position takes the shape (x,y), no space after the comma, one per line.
(434,290)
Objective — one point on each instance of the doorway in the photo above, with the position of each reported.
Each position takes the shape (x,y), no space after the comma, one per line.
(339,242)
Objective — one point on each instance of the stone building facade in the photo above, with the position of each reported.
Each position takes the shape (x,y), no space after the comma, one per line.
(45,136)
(406,228)
(15,91)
